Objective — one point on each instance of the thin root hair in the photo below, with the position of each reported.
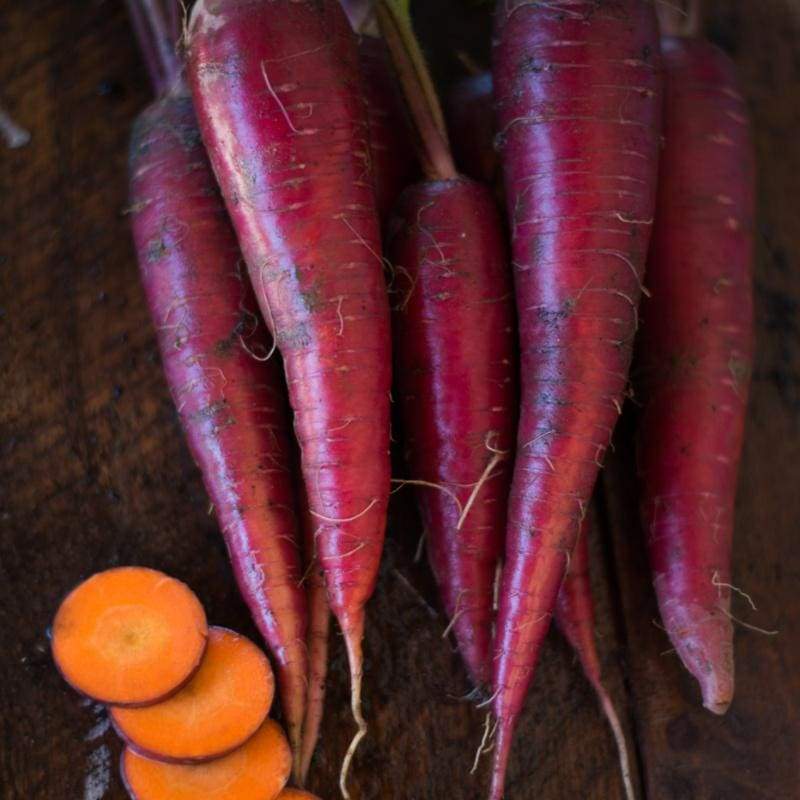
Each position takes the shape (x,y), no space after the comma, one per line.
(748,625)
(721,584)
(485,476)
(487,733)
(403,482)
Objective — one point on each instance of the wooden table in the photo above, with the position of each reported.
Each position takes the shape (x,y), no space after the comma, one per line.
(93,473)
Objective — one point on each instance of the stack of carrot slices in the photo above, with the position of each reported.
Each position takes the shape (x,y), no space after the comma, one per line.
(190,701)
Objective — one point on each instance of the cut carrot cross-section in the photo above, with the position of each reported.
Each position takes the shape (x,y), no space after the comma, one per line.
(258,770)
(217,711)
(129,636)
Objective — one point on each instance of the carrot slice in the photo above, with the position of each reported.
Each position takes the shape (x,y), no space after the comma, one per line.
(258,770)
(220,708)
(296,794)
(129,636)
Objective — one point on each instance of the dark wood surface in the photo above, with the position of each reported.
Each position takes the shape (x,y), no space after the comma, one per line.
(93,473)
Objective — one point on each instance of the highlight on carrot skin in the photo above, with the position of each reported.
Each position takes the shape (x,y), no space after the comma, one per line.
(129,636)
(257,771)
(220,708)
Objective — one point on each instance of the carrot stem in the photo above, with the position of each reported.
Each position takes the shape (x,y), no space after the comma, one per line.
(174,19)
(163,41)
(156,42)
(147,47)
(394,20)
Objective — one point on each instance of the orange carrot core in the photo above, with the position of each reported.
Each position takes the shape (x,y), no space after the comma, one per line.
(129,636)
(222,706)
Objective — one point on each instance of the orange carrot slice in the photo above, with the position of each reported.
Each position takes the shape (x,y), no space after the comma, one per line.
(296,794)
(129,636)
(258,770)
(220,708)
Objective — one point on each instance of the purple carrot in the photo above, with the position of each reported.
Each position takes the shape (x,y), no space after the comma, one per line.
(456,369)
(696,354)
(230,397)
(577,87)
(276,86)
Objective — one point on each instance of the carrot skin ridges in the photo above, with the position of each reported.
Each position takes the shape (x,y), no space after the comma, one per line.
(319,622)
(393,161)
(278,95)
(695,358)
(574,611)
(577,88)
(230,400)
(470,113)
(301,201)
(457,388)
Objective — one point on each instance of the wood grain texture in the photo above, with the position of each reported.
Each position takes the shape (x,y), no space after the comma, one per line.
(93,472)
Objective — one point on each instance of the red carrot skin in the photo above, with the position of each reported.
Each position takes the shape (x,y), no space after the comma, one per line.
(393,165)
(231,402)
(393,162)
(319,623)
(696,351)
(456,381)
(276,87)
(574,615)
(470,101)
(470,120)
(392,152)
(578,102)
(212,342)
(456,366)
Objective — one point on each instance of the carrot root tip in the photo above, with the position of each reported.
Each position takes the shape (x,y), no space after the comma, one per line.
(716,699)
(706,650)
(619,737)
(353,633)
(361,732)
